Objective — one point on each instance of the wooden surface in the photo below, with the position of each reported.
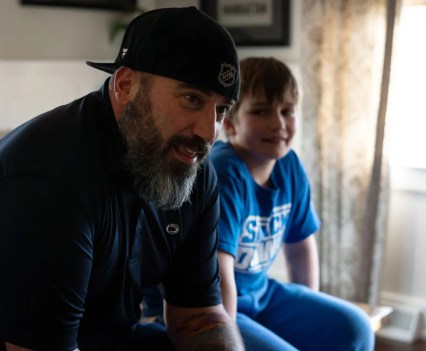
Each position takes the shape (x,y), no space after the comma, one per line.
(390,345)
(378,315)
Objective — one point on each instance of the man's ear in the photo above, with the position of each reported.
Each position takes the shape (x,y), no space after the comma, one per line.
(228,125)
(123,85)
(122,88)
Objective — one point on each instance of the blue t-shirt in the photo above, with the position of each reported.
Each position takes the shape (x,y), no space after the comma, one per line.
(255,221)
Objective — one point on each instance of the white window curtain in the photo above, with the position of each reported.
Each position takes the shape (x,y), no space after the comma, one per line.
(346,57)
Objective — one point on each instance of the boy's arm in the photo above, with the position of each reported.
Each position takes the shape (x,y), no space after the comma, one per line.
(302,262)
(227,283)
(204,328)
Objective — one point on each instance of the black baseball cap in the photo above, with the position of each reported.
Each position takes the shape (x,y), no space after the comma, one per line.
(180,43)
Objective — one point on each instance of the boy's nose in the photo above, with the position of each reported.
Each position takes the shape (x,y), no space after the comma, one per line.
(279,121)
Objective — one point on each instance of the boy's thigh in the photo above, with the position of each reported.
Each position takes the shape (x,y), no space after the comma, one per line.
(308,319)
(256,337)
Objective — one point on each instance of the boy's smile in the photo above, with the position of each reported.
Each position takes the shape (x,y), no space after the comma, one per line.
(262,130)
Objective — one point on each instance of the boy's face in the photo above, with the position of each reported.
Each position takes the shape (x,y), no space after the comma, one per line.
(263,131)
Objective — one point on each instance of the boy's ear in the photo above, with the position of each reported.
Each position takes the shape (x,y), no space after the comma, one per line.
(229,127)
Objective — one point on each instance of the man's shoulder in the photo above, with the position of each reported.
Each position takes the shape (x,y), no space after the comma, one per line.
(53,140)
(206,181)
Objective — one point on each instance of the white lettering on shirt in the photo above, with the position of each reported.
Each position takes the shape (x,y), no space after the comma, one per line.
(260,240)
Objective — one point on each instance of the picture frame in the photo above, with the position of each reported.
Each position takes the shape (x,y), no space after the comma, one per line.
(253,23)
(117,5)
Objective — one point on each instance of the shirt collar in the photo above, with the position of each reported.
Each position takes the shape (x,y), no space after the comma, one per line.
(114,148)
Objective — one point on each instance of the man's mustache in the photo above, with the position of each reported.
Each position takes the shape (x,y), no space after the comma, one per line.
(194,143)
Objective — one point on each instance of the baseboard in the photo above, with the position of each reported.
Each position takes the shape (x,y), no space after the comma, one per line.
(407,322)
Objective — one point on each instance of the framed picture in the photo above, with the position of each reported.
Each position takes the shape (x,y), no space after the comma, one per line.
(121,5)
(253,22)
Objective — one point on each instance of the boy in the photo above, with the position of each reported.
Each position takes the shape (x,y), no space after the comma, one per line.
(266,206)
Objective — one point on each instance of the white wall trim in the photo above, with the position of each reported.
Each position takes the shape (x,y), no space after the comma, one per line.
(410,302)
(408,179)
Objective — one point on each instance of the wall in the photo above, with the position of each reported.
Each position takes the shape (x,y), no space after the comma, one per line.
(42,32)
(42,54)
(404,283)
(31,87)
(43,50)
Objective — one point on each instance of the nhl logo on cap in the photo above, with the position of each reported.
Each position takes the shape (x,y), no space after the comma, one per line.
(227,74)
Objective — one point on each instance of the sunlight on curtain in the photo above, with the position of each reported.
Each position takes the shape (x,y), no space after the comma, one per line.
(343,45)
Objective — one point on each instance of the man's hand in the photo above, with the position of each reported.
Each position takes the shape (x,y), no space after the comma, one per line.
(206,328)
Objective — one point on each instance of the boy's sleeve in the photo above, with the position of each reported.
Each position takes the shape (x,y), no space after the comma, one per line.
(304,220)
(231,212)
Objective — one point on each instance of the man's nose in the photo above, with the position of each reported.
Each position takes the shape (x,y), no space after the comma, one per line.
(206,126)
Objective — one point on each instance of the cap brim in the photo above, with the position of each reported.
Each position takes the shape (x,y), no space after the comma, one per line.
(106,67)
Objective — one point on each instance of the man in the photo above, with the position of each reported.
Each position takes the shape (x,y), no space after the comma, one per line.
(109,194)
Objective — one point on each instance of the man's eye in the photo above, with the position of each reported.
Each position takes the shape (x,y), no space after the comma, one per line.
(193,99)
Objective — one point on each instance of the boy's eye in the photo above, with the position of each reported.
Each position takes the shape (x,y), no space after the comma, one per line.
(260,112)
(287,112)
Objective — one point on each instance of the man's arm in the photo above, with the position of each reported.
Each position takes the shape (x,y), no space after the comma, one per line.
(11,347)
(227,283)
(204,328)
(302,262)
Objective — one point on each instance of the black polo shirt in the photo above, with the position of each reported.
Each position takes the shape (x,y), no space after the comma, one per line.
(77,244)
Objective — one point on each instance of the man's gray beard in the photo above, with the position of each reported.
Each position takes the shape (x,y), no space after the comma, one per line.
(164,183)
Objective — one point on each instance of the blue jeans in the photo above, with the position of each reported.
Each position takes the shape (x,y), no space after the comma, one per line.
(291,317)
(283,317)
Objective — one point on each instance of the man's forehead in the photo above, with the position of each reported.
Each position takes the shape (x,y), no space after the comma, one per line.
(180,85)
(183,85)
